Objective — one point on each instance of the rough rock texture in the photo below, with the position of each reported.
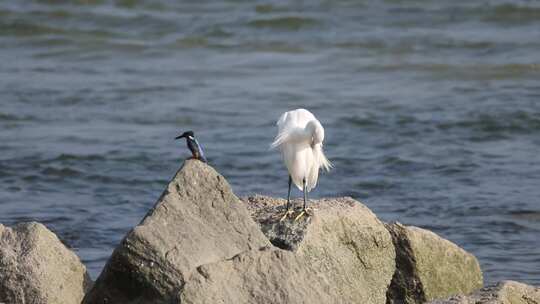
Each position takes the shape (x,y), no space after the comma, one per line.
(430,267)
(267,212)
(201,244)
(343,254)
(268,276)
(196,221)
(343,241)
(35,267)
(506,292)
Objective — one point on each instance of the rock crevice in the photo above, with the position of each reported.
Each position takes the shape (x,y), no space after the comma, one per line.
(405,286)
(429,267)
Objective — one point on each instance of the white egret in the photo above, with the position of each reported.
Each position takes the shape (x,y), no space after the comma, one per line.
(300,140)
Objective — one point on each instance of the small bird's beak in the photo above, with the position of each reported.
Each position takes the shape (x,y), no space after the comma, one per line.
(180,136)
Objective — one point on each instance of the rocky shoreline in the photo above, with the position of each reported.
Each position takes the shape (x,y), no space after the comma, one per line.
(202,244)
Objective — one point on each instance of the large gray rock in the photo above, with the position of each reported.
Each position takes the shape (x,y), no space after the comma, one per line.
(201,244)
(341,254)
(196,221)
(35,267)
(506,292)
(343,243)
(266,276)
(430,267)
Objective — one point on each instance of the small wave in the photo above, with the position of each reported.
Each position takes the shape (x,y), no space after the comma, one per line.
(528,215)
(515,122)
(275,47)
(23,28)
(191,42)
(463,44)
(511,13)
(284,23)
(360,121)
(60,172)
(370,44)
(376,185)
(268,8)
(69,157)
(396,161)
(11,117)
(474,71)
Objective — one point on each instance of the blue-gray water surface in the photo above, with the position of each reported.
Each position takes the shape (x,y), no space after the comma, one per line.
(431,111)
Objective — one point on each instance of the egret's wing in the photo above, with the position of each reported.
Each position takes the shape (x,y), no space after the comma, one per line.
(283,134)
(291,126)
(282,119)
(302,117)
(288,134)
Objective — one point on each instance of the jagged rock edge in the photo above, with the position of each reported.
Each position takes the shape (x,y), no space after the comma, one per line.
(405,281)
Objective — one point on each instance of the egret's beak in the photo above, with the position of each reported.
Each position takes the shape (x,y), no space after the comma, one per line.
(180,136)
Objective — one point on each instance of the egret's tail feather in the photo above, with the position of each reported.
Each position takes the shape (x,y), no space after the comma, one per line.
(313,177)
(321,159)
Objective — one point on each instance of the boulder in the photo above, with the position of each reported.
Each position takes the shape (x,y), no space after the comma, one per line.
(340,254)
(35,267)
(196,221)
(266,276)
(343,243)
(506,292)
(430,267)
(201,244)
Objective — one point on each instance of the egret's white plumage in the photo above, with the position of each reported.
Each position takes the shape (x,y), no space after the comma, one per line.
(300,139)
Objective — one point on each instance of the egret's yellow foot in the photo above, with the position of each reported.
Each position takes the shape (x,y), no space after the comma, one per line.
(306,211)
(287,213)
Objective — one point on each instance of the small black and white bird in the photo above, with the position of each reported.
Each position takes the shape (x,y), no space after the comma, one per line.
(193,145)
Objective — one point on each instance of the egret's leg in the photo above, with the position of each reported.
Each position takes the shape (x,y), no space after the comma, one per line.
(305,201)
(289,194)
(305,195)
(289,210)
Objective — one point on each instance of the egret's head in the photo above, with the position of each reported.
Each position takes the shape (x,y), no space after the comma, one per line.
(317,131)
(187,134)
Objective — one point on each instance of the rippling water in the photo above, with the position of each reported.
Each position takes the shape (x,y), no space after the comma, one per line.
(431,109)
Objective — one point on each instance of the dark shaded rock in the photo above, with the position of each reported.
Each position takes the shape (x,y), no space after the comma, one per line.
(267,212)
(35,267)
(406,286)
(429,267)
